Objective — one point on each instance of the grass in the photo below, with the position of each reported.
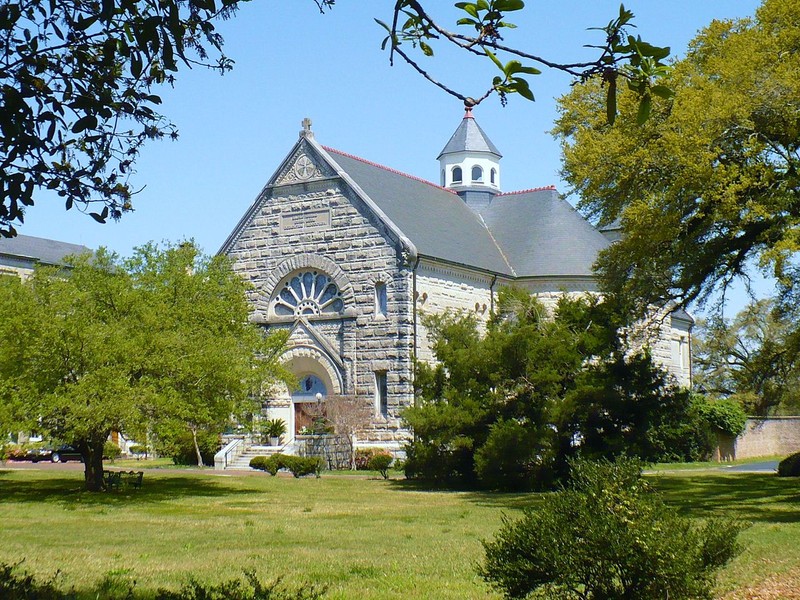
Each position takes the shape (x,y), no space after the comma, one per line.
(364,538)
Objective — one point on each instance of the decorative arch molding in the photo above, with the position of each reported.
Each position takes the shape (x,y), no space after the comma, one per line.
(303,356)
(306,261)
(380,277)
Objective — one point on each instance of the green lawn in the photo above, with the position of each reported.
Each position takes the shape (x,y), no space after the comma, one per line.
(363,538)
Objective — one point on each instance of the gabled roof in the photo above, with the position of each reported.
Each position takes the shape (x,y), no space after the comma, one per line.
(50,252)
(436,220)
(469,137)
(541,234)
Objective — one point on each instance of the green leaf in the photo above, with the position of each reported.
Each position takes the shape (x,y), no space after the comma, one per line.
(426,49)
(662,91)
(645,106)
(611,102)
(509,5)
(495,60)
(87,122)
(469,8)
(98,218)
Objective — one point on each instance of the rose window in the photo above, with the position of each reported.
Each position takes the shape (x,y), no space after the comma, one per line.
(308,293)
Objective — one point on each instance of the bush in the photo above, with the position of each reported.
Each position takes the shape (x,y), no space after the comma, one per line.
(111,451)
(380,462)
(180,447)
(16,585)
(725,415)
(790,466)
(297,465)
(259,463)
(138,449)
(363,456)
(607,535)
(507,460)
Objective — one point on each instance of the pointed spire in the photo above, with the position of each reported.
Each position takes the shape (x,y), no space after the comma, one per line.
(469,137)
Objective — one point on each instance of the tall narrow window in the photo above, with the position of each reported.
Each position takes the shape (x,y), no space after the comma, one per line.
(493,176)
(457,177)
(381,301)
(444,183)
(381,394)
(477,173)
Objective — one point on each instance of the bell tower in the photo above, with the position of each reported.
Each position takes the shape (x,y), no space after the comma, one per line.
(469,164)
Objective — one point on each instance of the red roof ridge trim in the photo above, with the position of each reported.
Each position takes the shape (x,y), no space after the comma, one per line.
(544,188)
(385,168)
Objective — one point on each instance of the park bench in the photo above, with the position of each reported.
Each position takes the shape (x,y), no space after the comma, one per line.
(115,480)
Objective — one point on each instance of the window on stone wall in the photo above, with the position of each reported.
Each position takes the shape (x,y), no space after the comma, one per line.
(381,394)
(457,176)
(308,293)
(477,173)
(381,300)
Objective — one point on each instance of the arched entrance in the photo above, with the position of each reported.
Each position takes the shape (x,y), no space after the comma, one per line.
(306,402)
(318,377)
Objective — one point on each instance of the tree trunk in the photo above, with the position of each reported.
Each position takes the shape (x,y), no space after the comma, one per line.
(92,454)
(197,447)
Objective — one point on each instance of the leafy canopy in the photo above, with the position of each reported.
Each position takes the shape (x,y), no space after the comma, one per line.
(707,188)
(508,408)
(129,345)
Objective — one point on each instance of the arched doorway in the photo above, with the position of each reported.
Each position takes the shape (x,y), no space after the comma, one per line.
(306,402)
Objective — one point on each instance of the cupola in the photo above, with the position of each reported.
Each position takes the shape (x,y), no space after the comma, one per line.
(470,162)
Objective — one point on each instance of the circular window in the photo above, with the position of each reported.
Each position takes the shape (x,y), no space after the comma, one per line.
(309,293)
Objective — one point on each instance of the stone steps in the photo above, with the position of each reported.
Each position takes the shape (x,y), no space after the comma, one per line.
(242,462)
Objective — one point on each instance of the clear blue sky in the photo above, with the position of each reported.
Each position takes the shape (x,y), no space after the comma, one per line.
(292,62)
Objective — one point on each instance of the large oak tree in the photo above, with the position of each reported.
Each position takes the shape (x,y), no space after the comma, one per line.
(708,188)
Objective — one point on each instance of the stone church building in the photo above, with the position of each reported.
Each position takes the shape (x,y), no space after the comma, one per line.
(347,255)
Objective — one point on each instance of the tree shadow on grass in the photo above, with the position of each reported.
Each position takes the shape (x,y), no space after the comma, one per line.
(68,491)
(747,496)
(501,500)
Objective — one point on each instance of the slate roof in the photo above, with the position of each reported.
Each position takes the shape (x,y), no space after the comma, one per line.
(541,234)
(50,252)
(469,137)
(436,220)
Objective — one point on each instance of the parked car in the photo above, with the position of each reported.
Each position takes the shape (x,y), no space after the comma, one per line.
(65,454)
(36,454)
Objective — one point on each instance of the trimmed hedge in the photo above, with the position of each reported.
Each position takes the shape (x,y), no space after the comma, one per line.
(381,462)
(790,466)
(296,465)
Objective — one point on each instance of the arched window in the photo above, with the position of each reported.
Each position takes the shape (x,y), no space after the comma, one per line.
(309,293)
(492,176)
(477,173)
(457,177)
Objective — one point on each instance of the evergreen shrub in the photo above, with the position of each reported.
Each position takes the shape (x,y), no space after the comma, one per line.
(790,466)
(381,462)
(607,535)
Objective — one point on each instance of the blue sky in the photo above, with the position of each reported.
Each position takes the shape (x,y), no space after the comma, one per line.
(292,62)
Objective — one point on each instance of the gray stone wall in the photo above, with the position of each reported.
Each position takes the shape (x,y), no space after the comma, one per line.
(322,224)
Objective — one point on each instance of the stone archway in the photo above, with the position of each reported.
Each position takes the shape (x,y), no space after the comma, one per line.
(316,372)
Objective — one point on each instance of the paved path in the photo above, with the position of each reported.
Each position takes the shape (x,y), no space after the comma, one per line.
(769,466)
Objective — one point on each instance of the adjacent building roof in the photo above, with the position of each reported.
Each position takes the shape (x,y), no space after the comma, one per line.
(41,250)
(469,137)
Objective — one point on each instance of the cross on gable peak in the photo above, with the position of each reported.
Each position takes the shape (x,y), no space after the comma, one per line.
(306,131)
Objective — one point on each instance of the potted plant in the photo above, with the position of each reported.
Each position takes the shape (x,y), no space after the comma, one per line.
(274,429)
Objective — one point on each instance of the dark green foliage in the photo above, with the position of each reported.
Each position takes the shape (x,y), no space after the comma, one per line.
(259,463)
(790,466)
(16,585)
(296,465)
(607,535)
(235,589)
(506,410)
(725,415)
(381,462)
(179,446)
